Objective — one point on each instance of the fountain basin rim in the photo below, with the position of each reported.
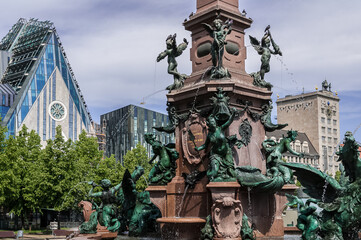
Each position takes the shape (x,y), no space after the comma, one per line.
(181,220)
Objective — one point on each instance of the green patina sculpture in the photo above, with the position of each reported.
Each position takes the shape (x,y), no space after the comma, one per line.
(266,118)
(247,232)
(349,156)
(207,232)
(172,52)
(122,207)
(221,111)
(218,32)
(253,178)
(221,168)
(307,221)
(90,226)
(341,202)
(173,120)
(263,48)
(274,153)
(164,170)
(138,213)
(106,213)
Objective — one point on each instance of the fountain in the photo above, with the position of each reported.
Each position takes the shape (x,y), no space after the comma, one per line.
(219,115)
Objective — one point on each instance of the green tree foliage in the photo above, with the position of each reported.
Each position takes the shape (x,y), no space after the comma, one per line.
(138,157)
(20,173)
(57,176)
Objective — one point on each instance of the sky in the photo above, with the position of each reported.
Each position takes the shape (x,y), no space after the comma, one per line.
(112,46)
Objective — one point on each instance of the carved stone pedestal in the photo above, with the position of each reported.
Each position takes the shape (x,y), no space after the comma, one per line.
(226,210)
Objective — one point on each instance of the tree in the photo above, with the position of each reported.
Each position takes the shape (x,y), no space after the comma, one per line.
(20,174)
(138,157)
(59,168)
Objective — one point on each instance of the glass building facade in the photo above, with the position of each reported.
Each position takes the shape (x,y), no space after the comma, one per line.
(36,53)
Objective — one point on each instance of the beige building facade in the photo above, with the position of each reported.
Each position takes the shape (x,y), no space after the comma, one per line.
(317,115)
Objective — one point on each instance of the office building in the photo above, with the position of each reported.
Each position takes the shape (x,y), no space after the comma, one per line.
(317,115)
(125,128)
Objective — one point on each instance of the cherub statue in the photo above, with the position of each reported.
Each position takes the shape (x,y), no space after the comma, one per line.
(274,153)
(307,221)
(221,167)
(164,170)
(264,49)
(218,32)
(107,211)
(172,52)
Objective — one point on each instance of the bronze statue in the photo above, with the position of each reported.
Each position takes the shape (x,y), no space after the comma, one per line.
(266,118)
(307,221)
(164,170)
(274,153)
(218,32)
(349,155)
(106,213)
(263,48)
(221,166)
(172,52)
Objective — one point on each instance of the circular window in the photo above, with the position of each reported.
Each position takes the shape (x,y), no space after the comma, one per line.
(57,110)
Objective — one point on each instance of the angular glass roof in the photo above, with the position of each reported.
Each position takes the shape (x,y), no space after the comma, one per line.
(25,42)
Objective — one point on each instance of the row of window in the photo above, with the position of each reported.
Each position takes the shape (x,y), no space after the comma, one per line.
(334,121)
(296,145)
(329,140)
(329,130)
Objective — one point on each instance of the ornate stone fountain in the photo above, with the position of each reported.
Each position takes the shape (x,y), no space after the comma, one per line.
(219,115)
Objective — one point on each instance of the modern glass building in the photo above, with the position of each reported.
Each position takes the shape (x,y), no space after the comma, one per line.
(34,64)
(125,128)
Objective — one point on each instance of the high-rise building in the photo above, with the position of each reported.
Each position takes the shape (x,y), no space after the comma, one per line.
(34,64)
(125,128)
(317,115)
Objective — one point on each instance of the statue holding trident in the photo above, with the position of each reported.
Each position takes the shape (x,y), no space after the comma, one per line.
(264,49)
(172,52)
(218,32)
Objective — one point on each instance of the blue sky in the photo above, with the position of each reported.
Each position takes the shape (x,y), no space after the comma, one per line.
(112,46)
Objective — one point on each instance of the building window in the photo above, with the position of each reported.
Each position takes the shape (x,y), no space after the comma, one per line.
(329,130)
(305,147)
(298,146)
(323,130)
(329,139)
(322,110)
(335,141)
(334,131)
(328,120)
(322,119)
(323,139)
(334,122)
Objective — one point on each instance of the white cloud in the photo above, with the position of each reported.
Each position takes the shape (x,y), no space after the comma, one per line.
(112,45)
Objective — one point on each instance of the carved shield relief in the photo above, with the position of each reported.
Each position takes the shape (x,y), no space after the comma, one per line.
(227,217)
(193,135)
